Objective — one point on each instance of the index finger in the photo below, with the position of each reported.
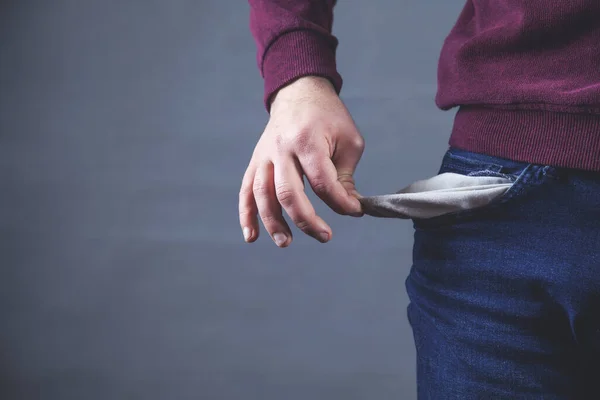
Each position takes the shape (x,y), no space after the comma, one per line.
(324,180)
(290,194)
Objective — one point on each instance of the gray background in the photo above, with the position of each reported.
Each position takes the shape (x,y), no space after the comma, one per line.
(125,128)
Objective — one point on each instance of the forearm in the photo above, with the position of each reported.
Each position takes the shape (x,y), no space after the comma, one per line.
(293,39)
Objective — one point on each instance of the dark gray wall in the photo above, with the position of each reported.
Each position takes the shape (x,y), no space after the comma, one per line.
(125,127)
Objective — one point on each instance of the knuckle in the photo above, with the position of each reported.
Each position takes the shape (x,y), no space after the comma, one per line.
(301,134)
(285,195)
(269,219)
(303,220)
(358,142)
(281,144)
(245,191)
(246,212)
(302,142)
(320,186)
(303,224)
(260,189)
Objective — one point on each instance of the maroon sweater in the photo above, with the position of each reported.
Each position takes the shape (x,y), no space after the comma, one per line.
(525,74)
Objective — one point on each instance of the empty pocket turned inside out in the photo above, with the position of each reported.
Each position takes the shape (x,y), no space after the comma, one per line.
(442,194)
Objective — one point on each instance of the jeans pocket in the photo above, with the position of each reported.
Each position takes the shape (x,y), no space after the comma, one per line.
(442,194)
(467,185)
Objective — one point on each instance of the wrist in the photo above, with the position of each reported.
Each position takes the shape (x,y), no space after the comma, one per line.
(306,86)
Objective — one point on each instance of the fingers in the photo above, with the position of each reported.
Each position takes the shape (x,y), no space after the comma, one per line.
(333,189)
(346,161)
(269,188)
(247,207)
(268,206)
(289,189)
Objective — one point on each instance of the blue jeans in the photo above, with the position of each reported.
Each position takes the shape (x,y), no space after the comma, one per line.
(505,299)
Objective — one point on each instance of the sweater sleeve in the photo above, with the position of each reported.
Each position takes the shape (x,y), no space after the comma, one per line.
(293,39)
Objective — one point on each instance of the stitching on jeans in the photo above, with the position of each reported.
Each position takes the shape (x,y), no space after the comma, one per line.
(520,184)
(490,173)
(455,160)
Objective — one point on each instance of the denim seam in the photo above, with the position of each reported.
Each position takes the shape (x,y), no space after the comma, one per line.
(480,163)
(524,181)
(490,173)
(470,165)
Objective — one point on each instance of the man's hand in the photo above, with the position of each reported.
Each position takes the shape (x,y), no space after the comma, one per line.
(310,133)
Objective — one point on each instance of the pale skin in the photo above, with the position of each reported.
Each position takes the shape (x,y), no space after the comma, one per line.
(310,133)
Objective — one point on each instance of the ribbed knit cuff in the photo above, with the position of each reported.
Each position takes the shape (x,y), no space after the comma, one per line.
(297,54)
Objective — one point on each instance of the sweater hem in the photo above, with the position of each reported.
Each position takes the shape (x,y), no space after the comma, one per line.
(566,140)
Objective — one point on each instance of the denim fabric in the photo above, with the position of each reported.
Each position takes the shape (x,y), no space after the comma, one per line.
(505,299)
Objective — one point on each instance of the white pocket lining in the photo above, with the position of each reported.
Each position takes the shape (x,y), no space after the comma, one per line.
(442,194)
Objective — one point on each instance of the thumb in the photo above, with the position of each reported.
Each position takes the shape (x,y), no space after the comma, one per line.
(345,158)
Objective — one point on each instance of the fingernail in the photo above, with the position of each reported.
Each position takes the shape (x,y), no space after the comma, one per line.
(247,234)
(280,239)
(323,237)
